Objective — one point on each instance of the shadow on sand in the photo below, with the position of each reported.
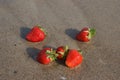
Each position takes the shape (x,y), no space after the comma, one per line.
(24,31)
(32,52)
(71,32)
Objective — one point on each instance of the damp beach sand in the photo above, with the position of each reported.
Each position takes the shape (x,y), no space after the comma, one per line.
(62,19)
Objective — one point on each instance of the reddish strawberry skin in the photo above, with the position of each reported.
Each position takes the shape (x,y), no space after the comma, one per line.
(60,51)
(83,35)
(36,34)
(43,56)
(73,59)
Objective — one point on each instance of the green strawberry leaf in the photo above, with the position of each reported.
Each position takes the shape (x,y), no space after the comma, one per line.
(52,54)
(48,52)
(66,48)
(92,32)
(80,51)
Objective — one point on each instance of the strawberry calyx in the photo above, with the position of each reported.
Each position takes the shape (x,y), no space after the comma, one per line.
(52,54)
(80,51)
(92,32)
(66,48)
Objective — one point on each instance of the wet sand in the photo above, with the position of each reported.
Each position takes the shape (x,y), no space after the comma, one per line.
(62,19)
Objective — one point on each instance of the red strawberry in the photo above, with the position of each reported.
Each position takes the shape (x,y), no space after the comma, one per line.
(46,56)
(61,51)
(85,34)
(73,58)
(37,34)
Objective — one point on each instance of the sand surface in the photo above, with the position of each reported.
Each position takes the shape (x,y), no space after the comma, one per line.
(62,19)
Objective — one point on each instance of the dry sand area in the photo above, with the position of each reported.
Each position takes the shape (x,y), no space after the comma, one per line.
(62,19)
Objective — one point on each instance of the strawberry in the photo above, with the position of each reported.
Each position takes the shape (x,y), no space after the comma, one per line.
(73,58)
(61,51)
(46,56)
(85,34)
(36,34)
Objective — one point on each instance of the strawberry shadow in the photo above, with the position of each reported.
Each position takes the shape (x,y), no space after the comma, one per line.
(61,62)
(32,52)
(71,32)
(24,31)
